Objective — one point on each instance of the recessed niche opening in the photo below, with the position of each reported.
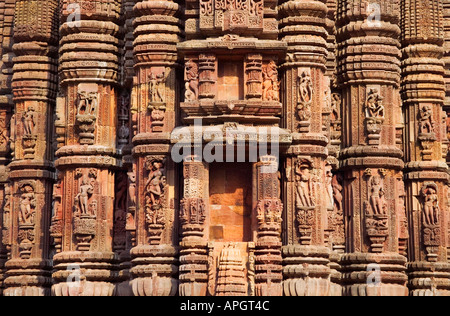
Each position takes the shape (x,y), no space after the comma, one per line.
(230,189)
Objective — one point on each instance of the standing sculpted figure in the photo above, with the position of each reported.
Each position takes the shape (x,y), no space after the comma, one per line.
(82,198)
(431,207)
(191,81)
(28,121)
(377,193)
(27,205)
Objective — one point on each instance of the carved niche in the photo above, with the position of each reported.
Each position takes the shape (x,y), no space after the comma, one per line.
(123,133)
(426,131)
(27,220)
(191,81)
(131,214)
(271,88)
(85,209)
(305,91)
(307,185)
(231,15)
(376,210)
(335,119)
(4,132)
(157,97)
(374,115)
(120,212)
(337,218)
(56,228)
(29,137)
(426,124)
(431,220)
(155,190)
(6,212)
(87,111)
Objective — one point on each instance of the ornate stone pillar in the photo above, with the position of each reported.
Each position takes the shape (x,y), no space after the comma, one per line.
(269,209)
(306,195)
(194,211)
(369,76)
(154,97)
(32,171)
(426,171)
(6,110)
(86,264)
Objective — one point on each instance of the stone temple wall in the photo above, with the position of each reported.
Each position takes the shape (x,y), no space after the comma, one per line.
(224,147)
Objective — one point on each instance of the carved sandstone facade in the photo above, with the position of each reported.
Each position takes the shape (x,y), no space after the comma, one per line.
(224,147)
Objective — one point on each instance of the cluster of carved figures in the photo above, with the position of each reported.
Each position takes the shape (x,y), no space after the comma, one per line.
(353,92)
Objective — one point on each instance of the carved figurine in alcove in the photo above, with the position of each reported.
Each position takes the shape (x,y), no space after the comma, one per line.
(304,194)
(27,205)
(29,121)
(425,120)
(431,207)
(270,82)
(374,105)
(82,198)
(377,196)
(156,88)
(191,93)
(305,94)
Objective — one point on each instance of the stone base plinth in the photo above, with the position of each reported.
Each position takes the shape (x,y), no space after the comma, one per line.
(370,274)
(306,271)
(154,270)
(84,273)
(335,274)
(193,268)
(31,277)
(429,278)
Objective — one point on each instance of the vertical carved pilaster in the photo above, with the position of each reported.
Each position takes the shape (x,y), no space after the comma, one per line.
(370,159)
(32,171)
(194,211)
(307,114)
(426,172)
(268,211)
(87,148)
(153,116)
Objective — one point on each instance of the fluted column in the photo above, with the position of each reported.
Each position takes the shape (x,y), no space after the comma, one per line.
(426,171)
(153,110)
(307,196)
(87,111)
(32,171)
(369,76)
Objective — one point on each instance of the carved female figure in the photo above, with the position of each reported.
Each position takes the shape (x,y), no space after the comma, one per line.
(3,131)
(305,88)
(425,123)
(374,105)
(132,188)
(304,186)
(377,193)
(155,183)
(28,121)
(192,80)
(27,205)
(270,82)
(82,198)
(431,207)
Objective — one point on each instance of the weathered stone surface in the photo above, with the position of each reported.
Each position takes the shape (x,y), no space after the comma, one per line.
(229,148)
